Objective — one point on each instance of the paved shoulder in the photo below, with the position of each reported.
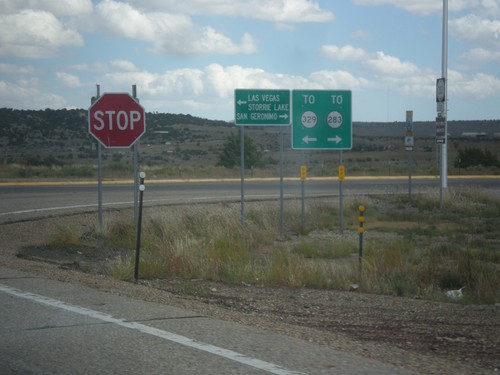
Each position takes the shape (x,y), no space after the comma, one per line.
(53,327)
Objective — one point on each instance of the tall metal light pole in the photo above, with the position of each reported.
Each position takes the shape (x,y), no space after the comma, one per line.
(444,74)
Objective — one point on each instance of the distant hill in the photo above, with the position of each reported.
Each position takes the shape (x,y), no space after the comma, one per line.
(26,135)
(426,129)
(19,127)
(60,137)
(38,126)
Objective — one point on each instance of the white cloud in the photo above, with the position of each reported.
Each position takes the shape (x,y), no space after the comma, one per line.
(121,19)
(210,90)
(478,86)
(34,34)
(421,7)
(68,80)
(170,33)
(224,80)
(203,41)
(176,83)
(378,62)
(381,63)
(102,67)
(480,28)
(425,7)
(338,80)
(268,10)
(347,52)
(480,56)
(56,7)
(361,34)
(477,31)
(123,65)
(16,69)
(117,80)
(490,8)
(385,70)
(99,68)
(19,95)
(213,86)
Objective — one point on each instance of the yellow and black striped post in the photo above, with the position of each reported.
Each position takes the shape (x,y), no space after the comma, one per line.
(361,231)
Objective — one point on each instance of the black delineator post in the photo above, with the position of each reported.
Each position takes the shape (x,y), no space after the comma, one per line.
(142,175)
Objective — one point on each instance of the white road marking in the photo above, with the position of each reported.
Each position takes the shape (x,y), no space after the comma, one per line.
(48,209)
(182,340)
(33,210)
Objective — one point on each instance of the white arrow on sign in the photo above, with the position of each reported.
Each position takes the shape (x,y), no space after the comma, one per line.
(308,139)
(285,116)
(240,102)
(337,139)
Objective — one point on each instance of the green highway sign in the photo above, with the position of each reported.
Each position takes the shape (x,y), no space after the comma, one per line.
(262,107)
(322,119)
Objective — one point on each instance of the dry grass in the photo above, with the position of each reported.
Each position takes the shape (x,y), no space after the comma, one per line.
(418,251)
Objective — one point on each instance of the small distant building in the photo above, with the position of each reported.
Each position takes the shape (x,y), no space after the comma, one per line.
(474,135)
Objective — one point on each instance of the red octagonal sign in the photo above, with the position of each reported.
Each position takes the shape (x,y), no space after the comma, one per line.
(117,120)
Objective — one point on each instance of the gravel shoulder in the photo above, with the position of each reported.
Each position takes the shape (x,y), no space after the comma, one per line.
(423,336)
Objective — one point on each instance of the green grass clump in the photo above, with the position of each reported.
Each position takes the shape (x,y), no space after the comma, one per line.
(121,233)
(324,249)
(64,235)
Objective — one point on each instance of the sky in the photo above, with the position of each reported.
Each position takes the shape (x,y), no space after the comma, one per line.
(188,56)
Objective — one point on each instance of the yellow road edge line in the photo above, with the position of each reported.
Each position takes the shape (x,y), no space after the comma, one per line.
(199,180)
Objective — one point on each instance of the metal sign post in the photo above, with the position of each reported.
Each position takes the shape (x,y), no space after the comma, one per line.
(261,107)
(409,142)
(322,119)
(136,165)
(99,183)
(441,140)
(99,165)
(242,174)
(441,98)
(282,205)
(444,74)
(116,120)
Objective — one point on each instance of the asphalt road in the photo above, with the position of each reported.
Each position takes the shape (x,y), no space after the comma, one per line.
(50,327)
(22,201)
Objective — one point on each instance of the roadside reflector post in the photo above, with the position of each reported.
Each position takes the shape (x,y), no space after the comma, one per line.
(361,231)
(142,176)
(341,172)
(303,173)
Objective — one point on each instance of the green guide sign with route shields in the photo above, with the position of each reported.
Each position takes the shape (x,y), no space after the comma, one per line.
(322,119)
(262,107)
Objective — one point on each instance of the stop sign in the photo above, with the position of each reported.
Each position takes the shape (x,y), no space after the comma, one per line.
(116,120)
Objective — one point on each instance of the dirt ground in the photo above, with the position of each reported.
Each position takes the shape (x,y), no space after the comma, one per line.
(424,336)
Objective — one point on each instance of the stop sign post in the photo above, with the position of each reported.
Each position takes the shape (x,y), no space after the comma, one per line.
(116,120)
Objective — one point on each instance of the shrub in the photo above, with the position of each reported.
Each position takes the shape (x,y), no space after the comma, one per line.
(474,156)
(64,235)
